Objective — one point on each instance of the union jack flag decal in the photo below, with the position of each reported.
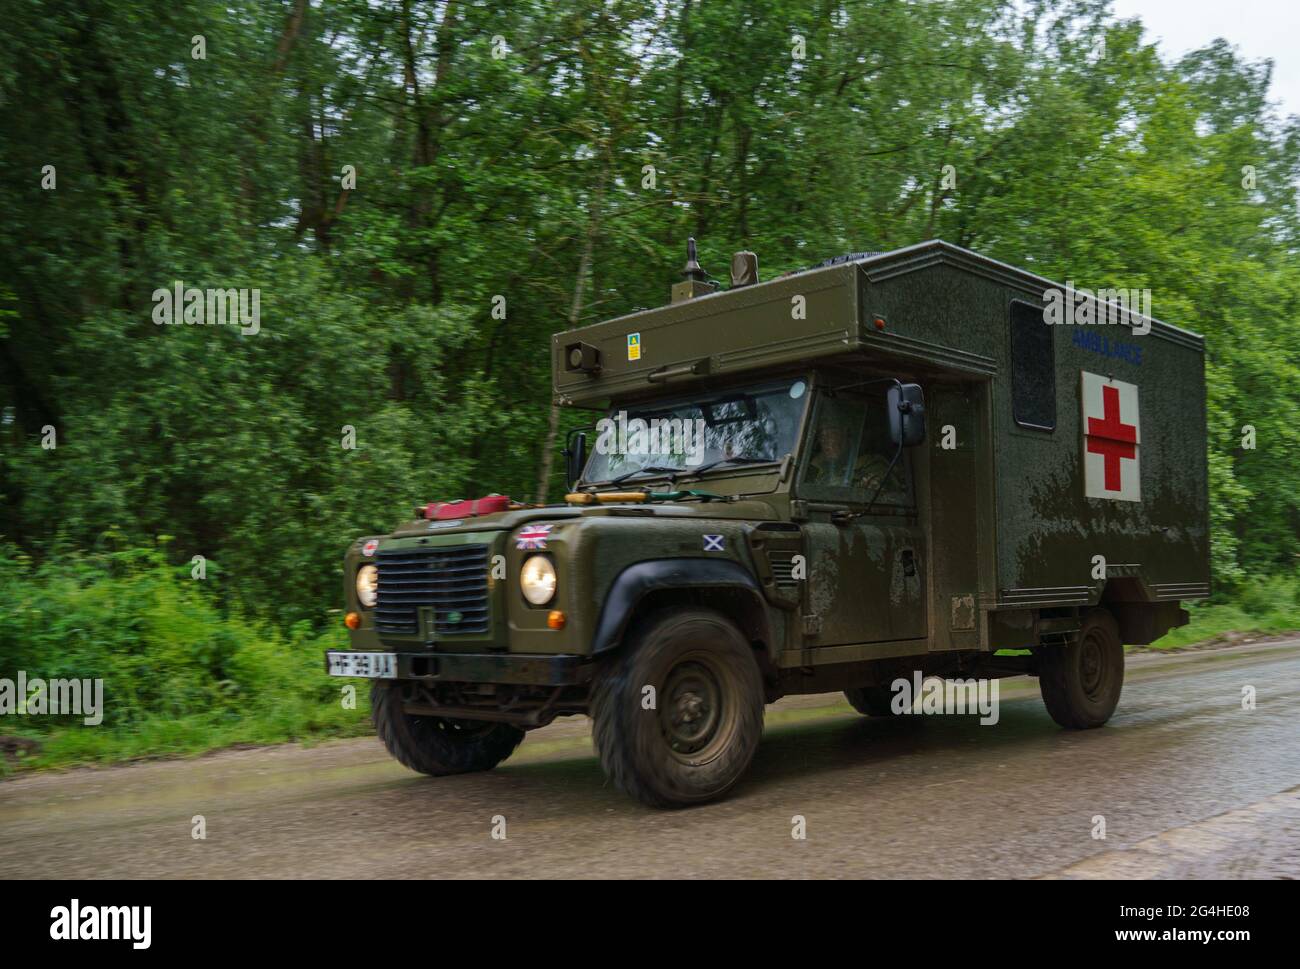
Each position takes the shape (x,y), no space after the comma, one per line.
(533,537)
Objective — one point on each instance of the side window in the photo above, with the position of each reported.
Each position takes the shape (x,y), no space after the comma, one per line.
(1033,368)
(849,453)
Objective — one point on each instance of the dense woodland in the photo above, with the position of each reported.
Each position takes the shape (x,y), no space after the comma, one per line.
(501,149)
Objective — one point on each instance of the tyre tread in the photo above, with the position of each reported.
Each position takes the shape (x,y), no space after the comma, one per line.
(438,757)
(613,701)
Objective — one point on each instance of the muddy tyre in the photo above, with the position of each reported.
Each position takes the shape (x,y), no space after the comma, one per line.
(870,701)
(1081,683)
(438,745)
(708,712)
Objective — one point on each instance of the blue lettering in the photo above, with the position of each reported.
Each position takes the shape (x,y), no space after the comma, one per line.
(1095,342)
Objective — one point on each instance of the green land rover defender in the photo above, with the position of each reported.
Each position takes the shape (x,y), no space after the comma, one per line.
(891,465)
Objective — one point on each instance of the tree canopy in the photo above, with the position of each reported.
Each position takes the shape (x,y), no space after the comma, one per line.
(387,173)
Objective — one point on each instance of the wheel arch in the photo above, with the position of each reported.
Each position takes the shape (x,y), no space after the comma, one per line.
(717,583)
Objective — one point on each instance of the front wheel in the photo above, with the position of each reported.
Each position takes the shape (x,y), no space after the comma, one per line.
(438,745)
(1081,682)
(678,717)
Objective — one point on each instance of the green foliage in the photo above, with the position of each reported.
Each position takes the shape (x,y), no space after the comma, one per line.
(179,676)
(1260,607)
(1075,150)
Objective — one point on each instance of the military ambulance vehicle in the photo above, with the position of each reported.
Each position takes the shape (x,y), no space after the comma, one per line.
(901,466)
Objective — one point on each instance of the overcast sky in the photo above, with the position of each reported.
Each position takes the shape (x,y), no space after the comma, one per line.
(1257,28)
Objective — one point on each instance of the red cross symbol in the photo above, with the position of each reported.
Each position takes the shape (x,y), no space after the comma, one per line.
(1112,438)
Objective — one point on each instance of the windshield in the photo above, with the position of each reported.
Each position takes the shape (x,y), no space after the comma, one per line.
(751,425)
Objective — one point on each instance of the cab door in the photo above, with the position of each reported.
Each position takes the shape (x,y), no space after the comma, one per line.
(866,570)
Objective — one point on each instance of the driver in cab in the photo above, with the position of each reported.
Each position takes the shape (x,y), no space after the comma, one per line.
(831,463)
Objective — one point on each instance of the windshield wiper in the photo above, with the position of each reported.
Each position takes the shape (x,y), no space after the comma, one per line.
(648,469)
(743,459)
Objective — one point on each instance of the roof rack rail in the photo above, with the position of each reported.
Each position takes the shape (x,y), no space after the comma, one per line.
(847,257)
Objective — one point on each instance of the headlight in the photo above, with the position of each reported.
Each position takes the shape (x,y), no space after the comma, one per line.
(368,586)
(537,580)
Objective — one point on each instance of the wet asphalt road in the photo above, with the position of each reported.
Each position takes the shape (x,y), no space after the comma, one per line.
(1189,784)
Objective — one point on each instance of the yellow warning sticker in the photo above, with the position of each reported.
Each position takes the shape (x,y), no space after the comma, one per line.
(634,346)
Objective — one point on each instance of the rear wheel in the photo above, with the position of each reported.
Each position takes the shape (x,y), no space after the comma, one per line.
(1081,683)
(439,745)
(689,738)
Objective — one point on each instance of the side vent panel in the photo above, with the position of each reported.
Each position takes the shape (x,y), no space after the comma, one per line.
(779,557)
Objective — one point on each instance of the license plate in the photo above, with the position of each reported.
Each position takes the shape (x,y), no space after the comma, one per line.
(375,666)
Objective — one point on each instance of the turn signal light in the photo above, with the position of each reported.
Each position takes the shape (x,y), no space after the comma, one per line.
(556,619)
(352,620)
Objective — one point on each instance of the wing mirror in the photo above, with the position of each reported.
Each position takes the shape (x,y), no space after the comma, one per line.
(906,405)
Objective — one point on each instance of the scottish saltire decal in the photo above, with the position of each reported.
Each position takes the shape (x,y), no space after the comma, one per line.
(1111,439)
(533,537)
(713,543)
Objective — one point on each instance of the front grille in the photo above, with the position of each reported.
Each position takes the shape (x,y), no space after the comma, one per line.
(451,580)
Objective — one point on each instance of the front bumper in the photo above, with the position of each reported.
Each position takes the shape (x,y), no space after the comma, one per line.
(425,667)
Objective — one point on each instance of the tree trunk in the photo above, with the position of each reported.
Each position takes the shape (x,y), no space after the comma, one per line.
(575,315)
